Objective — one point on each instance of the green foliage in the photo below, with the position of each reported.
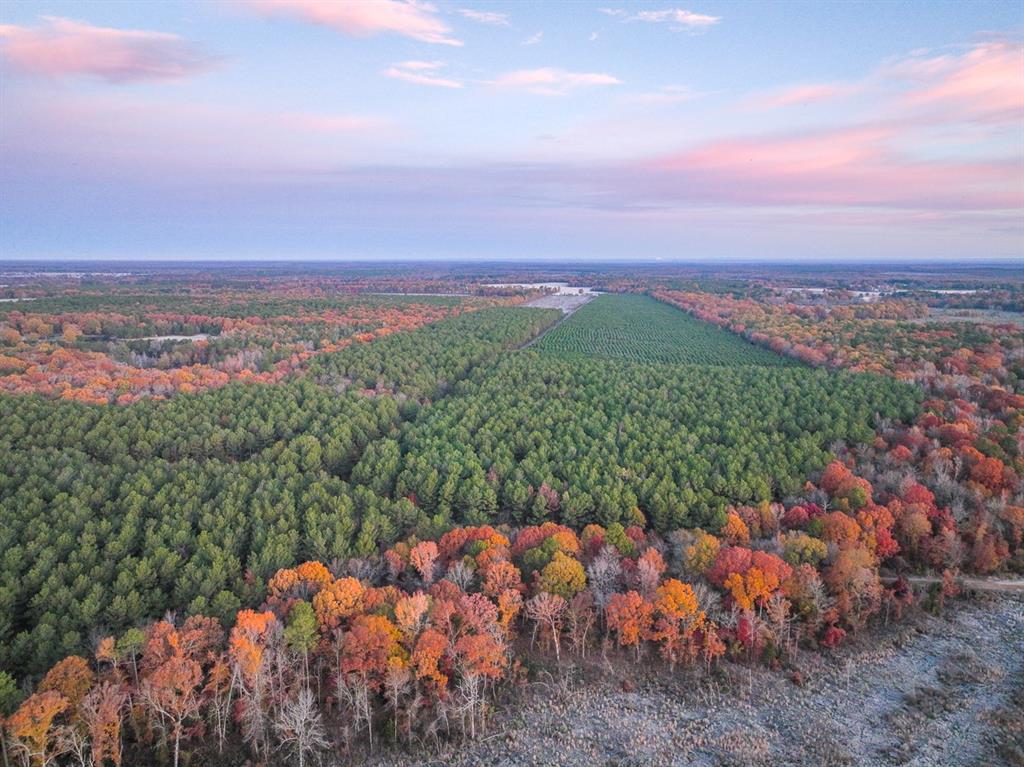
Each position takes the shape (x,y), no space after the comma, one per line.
(615,534)
(130,643)
(113,515)
(681,442)
(10,695)
(425,363)
(799,548)
(301,632)
(538,558)
(641,329)
(563,575)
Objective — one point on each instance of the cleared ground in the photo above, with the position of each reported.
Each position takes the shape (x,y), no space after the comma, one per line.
(567,302)
(929,692)
(982,316)
(641,329)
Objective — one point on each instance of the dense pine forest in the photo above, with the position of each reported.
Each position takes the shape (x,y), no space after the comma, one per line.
(290,524)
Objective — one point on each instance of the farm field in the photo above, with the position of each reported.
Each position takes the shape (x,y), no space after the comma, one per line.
(641,329)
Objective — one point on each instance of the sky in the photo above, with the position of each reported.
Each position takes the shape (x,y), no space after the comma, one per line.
(571,131)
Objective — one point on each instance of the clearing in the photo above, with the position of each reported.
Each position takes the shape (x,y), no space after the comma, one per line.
(927,692)
(567,302)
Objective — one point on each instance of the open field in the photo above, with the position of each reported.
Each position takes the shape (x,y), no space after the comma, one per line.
(641,329)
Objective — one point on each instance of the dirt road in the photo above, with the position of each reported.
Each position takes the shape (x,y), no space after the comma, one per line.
(567,303)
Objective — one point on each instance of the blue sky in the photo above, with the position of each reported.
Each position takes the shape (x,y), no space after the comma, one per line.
(391,129)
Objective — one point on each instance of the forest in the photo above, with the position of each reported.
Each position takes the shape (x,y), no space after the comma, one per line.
(589,441)
(118,344)
(367,548)
(194,502)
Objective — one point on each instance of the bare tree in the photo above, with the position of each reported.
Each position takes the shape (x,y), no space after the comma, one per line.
(460,575)
(397,683)
(580,618)
(353,691)
(603,575)
(300,728)
(74,742)
(547,609)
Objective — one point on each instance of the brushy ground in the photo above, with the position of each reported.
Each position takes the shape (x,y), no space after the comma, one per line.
(927,692)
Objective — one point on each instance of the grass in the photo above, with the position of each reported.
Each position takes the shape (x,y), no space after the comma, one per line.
(642,329)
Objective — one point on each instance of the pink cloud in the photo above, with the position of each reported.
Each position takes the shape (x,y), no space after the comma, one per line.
(808,93)
(409,18)
(792,155)
(852,167)
(62,47)
(986,82)
(417,72)
(326,123)
(983,84)
(551,81)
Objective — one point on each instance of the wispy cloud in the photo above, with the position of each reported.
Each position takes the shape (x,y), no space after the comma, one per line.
(486,17)
(409,18)
(551,81)
(328,123)
(63,47)
(166,135)
(858,166)
(533,39)
(981,83)
(984,83)
(677,17)
(667,94)
(420,73)
(803,94)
